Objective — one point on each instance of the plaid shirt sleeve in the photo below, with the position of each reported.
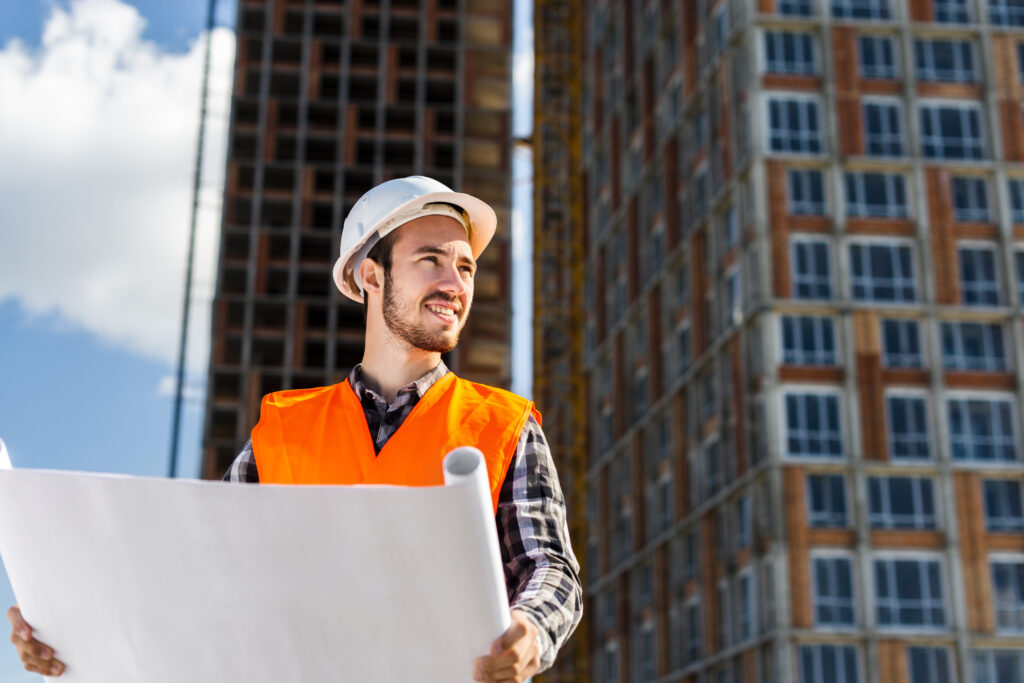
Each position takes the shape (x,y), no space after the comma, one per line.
(243,469)
(541,571)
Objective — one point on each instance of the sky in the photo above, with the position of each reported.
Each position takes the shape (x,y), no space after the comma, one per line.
(100,108)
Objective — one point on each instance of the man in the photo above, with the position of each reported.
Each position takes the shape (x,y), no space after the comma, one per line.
(408,252)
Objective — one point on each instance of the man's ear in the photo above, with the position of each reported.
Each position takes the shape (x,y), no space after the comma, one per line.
(372,275)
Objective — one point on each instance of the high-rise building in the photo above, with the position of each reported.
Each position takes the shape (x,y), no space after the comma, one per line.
(804,231)
(332,97)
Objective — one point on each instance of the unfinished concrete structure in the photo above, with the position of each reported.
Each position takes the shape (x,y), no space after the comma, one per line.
(804,272)
(332,97)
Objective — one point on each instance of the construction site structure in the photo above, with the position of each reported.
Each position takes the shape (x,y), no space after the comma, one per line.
(332,97)
(803,235)
(559,251)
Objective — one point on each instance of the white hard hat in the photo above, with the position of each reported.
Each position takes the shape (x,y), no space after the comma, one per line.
(394,203)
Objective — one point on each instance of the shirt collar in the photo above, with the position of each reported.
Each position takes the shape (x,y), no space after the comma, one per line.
(419,387)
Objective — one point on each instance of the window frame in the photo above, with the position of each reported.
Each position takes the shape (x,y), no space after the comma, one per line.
(978,293)
(888,140)
(962,52)
(866,281)
(817,354)
(888,357)
(975,211)
(799,180)
(880,68)
(804,52)
(1005,521)
(1015,562)
(886,519)
(937,144)
(813,281)
(822,396)
(999,442)
(817,519)
(805,140)
(857,184)
(834,602)
(894,603)
(915,438)
(992,336)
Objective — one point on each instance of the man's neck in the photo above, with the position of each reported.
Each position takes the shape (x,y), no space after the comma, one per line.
(387,372)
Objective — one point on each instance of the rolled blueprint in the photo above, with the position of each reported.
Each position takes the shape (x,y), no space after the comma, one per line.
(465,466)
(164,581)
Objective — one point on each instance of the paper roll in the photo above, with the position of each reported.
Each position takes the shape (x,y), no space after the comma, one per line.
(465,466)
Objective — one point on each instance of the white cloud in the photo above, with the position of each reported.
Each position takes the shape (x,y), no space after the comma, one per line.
(96,160)
(191,393)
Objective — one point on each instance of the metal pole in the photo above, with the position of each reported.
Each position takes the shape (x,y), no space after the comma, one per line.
(172,468)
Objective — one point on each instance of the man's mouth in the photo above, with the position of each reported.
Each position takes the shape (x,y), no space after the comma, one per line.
(446,312)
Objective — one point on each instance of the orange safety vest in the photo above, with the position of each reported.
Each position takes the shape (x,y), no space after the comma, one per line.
(320,435)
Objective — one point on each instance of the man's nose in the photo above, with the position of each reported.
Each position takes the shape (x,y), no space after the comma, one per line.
(452,281)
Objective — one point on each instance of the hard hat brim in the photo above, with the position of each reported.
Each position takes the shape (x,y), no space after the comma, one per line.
(482,224)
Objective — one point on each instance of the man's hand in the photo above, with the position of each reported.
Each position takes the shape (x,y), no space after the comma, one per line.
(37,657)
(514,657)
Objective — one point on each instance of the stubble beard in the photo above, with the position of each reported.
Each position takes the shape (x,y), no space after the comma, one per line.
(414,334)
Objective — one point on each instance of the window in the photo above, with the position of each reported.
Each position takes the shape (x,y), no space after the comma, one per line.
(952,132)
(745,607)
(882,272)
(1006,12)
(970,200)
(929,665)
(812,426)
(1003,510)
(690,556)
(808,340)
(1008,594)
(877,57)
(833,591)
(861,9)
(997,666)
(982,429)
(908,428)
(901,342)
(973,346)
(1017,199)
(807,192)
(952,11)
(731,227)
(828,664)
(712,468)
(693,630)
(882,130)
(909,593)
(795,8)
(1019,260)
(901,503)
(743,522)
(876,195)
(945,61)
(794,126)
(826,495)
(979,283)
(789,53)
(811,271)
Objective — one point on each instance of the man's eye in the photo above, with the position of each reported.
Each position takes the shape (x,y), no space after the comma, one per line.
(467,269)
(431,259)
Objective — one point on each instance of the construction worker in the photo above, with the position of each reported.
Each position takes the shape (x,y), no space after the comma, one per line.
(408,253)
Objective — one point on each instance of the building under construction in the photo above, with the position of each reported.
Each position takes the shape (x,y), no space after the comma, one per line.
(330,98)
(802,225)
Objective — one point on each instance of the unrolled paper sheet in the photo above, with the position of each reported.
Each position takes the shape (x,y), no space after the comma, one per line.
(165,581)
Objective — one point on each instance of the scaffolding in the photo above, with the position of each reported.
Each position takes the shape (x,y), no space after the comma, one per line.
(559,253)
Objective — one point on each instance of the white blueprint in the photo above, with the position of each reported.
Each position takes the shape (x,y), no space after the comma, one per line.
(168,581)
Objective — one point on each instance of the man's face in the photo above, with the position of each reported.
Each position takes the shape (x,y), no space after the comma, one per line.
(429,290)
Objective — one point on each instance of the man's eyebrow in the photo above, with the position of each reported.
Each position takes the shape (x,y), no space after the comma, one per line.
(430,249)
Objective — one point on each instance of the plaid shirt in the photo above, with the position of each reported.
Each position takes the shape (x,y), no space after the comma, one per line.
(541,572)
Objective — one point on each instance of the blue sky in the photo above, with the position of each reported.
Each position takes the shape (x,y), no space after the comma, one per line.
(84,376)
(102,116)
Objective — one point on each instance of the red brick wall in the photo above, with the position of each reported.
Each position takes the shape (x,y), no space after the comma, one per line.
(870,390)
(797,542)
(779,229)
